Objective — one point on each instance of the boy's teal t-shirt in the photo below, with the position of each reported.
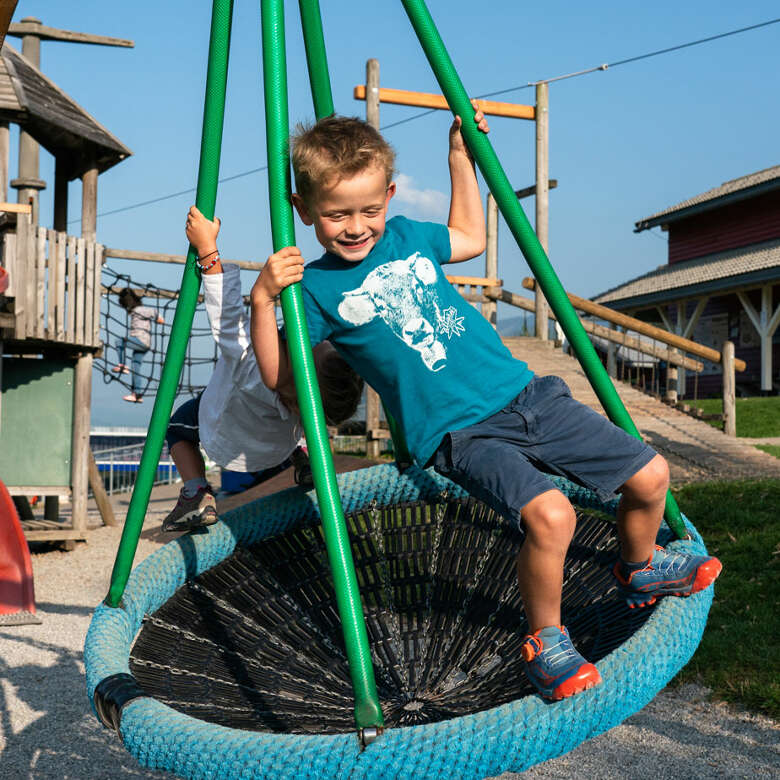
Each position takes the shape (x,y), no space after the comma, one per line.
(436,362)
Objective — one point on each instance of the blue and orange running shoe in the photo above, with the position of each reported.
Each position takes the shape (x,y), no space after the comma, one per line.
(554,667)
(666,574)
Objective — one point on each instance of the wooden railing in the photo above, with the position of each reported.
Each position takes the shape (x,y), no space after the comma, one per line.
(618,318)
(677,351)
(54,280)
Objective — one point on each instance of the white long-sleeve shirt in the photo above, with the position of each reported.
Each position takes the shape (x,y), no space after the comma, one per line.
(244,426)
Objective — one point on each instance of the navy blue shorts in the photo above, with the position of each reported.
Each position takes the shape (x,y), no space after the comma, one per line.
(184,423)
(505,459)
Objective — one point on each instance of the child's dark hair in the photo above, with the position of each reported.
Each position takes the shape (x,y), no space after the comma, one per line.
(128,299)
(341,388)
(334,148)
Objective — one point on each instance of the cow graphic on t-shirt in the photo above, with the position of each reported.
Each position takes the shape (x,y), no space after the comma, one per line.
(404,294)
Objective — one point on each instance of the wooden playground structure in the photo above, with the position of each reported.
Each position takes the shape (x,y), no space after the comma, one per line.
(49,326)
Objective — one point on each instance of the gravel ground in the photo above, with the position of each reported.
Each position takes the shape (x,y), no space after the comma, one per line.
(47,729)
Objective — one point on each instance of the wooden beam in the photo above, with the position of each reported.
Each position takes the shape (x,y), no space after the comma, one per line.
(526,192)
(475,281)
(45,33)
(597,310)
(159,257)
(16,208)
(99,492)
(7,8)
(427,100)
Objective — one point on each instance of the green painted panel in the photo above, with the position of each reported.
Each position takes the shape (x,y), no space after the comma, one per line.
(36,422)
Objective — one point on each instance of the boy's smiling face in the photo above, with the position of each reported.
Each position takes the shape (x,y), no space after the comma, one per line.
(349,215)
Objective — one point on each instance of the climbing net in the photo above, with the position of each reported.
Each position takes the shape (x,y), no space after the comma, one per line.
(114,326)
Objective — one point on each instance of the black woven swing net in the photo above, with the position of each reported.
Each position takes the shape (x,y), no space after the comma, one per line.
(255,643)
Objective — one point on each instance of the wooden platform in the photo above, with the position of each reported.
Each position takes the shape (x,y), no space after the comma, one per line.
(695,450)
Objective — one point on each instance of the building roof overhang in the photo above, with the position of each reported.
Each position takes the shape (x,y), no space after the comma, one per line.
(722,272)
(729,192)
(53,119)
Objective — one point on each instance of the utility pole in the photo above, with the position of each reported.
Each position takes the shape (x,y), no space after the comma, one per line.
(28,184)
(372,398)
(542,197)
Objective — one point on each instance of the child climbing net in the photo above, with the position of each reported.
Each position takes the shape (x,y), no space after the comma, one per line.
(144,377)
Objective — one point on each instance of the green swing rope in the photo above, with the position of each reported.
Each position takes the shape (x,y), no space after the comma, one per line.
(537,259)
(368,712)
(205,199)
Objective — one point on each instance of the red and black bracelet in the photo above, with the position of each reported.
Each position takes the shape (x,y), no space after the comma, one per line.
(211,264)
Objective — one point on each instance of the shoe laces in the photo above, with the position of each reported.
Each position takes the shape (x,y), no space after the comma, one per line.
(670,561)
(556,654)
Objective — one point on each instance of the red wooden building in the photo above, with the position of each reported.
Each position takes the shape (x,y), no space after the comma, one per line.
(721,280)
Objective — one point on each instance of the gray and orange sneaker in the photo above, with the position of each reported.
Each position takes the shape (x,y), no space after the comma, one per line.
(666,573)
(554,666)
(192,512)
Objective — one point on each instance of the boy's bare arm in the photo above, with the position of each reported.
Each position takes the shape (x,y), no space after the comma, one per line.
(466,221)
(202,234)
(282,269)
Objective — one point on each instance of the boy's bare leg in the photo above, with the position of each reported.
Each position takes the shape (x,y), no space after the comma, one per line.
(549,522)
(188,460)
(641,510)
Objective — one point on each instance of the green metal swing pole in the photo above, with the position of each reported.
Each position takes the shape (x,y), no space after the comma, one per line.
(368,712)
(205,199)
(319,79)
(537,259)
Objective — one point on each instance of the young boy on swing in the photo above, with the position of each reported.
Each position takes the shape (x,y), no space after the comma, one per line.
(467,407)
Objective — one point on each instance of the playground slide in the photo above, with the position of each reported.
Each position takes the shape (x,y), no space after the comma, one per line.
(17,598)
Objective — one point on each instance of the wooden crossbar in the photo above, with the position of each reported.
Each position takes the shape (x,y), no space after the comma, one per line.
(427,100)
(16,208)
(475,281)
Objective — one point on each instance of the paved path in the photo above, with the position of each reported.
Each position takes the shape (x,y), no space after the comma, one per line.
(695,450)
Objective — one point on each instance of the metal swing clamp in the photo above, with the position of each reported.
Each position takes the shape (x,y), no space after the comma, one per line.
(369,734)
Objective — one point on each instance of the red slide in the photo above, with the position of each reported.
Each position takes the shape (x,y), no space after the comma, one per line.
(17,598)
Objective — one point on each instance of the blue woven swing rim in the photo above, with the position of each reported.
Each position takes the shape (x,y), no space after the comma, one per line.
(511,737)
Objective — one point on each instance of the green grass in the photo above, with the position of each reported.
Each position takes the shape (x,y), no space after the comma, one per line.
(772,449)
(755,416)
(739,655)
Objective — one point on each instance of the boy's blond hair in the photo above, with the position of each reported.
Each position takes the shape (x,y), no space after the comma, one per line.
(334,148)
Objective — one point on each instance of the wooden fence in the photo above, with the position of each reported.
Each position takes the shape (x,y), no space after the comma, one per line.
(54,280)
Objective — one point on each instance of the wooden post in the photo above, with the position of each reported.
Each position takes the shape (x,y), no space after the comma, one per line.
(60,196)
(5,150)
(372,398)
(28,184)
(89,182)
(542,197)
(729,390)
(612,360)
(82,396)
(490,309)
(99,491)
(671,381)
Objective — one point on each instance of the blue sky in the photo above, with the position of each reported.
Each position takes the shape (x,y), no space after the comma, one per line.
(624,143)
